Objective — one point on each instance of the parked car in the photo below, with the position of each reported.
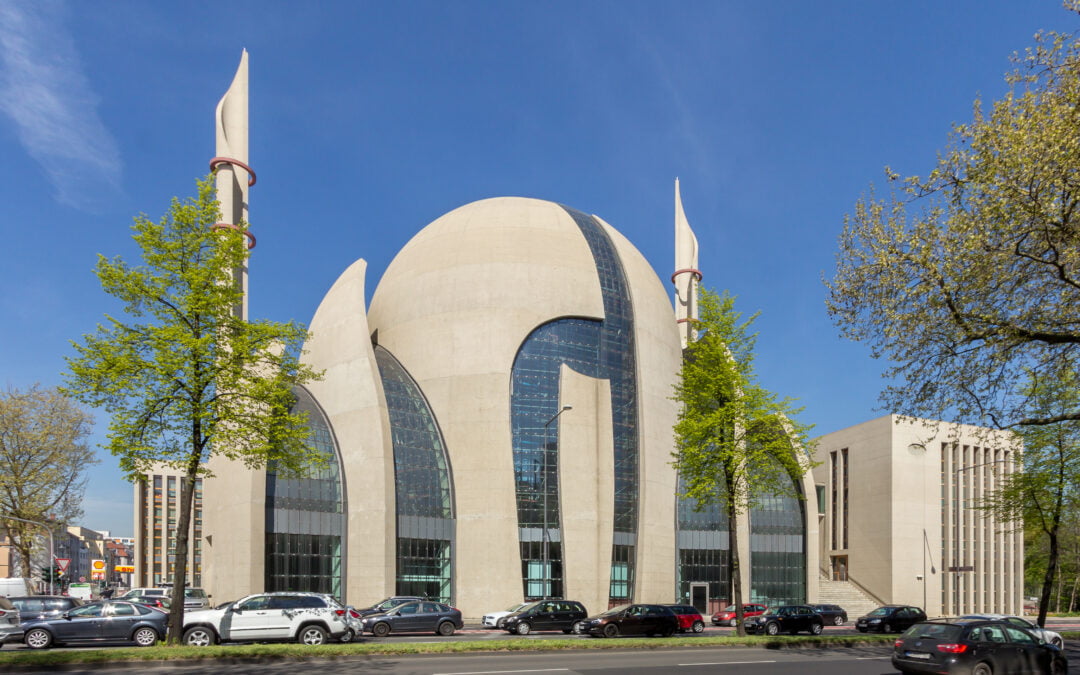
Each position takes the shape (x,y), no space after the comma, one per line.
(834,614)
(493,619)
(44,606)
(9,622)
(726,616)
(565,615)
(104,621)
(975,646)
(308,618)
(159,601)
(786,619)
(389,603)
(355,623)
(689,618)
(1042,633)
(415,617)
(633,620)
(890,618)
(143,590)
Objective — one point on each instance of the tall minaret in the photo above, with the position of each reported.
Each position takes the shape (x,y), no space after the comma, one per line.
(687,275)
(233,174)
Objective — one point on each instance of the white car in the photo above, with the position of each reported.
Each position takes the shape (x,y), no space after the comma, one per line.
(308,618)
(1048,636)
(491,619)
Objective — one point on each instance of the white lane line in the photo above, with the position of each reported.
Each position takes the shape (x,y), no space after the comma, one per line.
(496,672)
(725,663)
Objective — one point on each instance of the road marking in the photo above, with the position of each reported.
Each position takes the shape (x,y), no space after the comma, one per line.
(495,672)
(725,663)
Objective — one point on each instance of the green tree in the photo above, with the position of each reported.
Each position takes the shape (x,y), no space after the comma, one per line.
(968,278)
(1044,495)
(184,377)
(43,461)
(736,442)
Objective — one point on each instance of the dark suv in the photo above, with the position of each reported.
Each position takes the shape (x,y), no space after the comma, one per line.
(787,619)
(564,615)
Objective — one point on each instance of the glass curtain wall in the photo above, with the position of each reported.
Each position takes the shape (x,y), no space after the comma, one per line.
(778,550)
(423,493)
(305,521)
(703,550)
(600,349)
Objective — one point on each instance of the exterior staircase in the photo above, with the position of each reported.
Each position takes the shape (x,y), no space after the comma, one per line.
(847,595)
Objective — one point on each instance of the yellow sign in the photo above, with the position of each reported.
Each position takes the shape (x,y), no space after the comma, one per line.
(128,569)
(97,569)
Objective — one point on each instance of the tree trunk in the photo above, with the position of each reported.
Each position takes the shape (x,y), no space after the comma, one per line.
(183,525)
(735,571)
(1051,570)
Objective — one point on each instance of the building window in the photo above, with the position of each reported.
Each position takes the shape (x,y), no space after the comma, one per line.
(778,550)
(704,556)
(305,516)
(422,483)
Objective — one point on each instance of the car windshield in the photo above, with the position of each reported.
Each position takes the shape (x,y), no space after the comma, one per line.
(939,631)
(194,593)
(529,605)
(614,610)
(729,608)
(880,611)
(516,607)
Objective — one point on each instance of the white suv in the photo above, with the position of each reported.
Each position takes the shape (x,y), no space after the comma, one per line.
(308,618)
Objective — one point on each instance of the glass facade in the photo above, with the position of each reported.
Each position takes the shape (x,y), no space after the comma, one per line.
(422,482)
(703,550)
(778,550)
(305,521)
(600,349)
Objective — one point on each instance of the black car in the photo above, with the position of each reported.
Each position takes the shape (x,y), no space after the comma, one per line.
(786,619)
(890,619)
(388,604)
(414,617)
(834,614)
(564,615)
(633,620)
(44,606)
(975,646)
(107,621)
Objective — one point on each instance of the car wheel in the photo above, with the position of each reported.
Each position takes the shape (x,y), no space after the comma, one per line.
(501,624)
(349,636)
(38,638)
(380,629)
(698,627)
(523,628)
(733,623)
(579,627)
(668,632)
(611,630)
(199,636)
(312,635)
(838,620)
(886,627)
(772,629)
(446,629)
(982,669)
(815,629)
(1058,668)
(145,637)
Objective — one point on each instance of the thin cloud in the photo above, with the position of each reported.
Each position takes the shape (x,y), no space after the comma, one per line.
(54,110)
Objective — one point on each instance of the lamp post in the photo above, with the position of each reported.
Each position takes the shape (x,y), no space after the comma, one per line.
(52,549)
(544,482)
(956,566)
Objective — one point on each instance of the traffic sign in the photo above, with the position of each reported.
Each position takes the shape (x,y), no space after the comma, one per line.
(62,564)
(97,569)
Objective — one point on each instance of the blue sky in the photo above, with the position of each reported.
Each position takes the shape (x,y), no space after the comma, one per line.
(369,120)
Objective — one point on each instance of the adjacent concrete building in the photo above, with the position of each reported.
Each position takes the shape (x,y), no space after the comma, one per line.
(901,519)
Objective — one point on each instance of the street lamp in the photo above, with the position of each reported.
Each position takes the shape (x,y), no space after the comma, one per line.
(52,549)
(958,568)
(544,483)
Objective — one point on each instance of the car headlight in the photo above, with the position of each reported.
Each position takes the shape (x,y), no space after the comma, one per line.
(874,621)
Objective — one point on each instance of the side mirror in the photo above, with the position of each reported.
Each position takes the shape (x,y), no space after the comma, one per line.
(66,616)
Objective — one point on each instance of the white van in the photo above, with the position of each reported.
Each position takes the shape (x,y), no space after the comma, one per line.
(81,591)
(13,587)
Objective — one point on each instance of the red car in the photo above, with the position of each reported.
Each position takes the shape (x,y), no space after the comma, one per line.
(689,618)
(726,616)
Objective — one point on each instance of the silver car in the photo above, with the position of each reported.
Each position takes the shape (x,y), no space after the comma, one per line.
(1046,635)
(491,619)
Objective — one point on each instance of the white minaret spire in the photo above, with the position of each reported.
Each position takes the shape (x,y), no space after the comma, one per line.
(234,175)
(687,275)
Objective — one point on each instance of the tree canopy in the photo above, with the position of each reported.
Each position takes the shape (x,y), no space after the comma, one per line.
(736,442)
(43,461)
(967,279)
(184,377)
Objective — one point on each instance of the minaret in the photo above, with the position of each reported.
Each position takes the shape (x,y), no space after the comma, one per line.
(230,166)
(687,275)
